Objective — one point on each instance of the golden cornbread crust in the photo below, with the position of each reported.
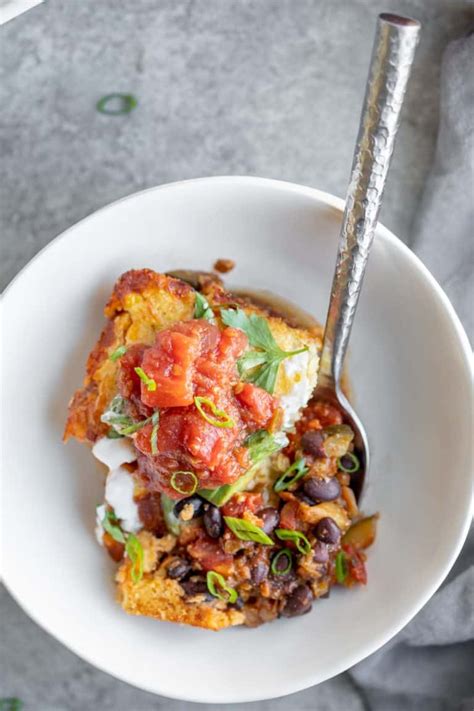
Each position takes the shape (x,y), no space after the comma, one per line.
(162,598)
(143,303)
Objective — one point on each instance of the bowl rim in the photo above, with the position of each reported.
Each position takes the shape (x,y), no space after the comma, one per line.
(338,204)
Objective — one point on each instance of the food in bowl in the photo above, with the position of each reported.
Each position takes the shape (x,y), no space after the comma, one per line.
(230,496)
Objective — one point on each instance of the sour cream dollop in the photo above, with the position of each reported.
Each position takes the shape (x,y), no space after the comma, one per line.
(119,485)
(296,373)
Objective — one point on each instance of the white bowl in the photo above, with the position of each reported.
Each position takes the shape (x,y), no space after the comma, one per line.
(410,367)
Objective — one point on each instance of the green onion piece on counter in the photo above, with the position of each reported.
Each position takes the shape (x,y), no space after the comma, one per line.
(111,525)
(259,367)
(224,591)
(354,462)
(116,104)
(297,469)
(134,551)
(202,308)
(149,382)
(278,559)
(341,567)
(118,353)
(298,538)
(11,704)
(220,419)
(247,531)
(184,482)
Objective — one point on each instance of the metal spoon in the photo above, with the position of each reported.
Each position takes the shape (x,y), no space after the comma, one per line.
(392,56)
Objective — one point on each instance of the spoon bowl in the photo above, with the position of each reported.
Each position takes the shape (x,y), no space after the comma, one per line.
(361,445)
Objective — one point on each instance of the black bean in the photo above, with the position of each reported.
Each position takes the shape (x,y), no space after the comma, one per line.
(322,489)
(271,519)
(197,507)
(178,568)
(327,531)
(196,586)
(213,521)
(259,572)
(312,443)
(299,602)
(238,604)
(303,497)
(320,552)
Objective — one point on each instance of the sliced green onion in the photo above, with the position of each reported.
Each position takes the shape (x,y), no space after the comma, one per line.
(341,567)
(221,418)
(355,462)
(261,444)
(118,353)
(131,429)
(113,434)
(12,703)
(224,592)
(173,524)
(184,483)
(111,525)
(154,433)
(134,551)
(149,382)
(124,103)
(115,413)
(247,531)
(281,554)
(283,482)
(298,538)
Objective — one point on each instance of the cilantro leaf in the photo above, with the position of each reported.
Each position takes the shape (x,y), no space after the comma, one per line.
(202,308)
(258,366)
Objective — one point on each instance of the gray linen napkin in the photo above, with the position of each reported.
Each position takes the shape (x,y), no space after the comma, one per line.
(444,231)
(430,664)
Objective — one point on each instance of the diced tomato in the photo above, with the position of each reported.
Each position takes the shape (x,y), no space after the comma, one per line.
(226,472)
(232,344)
(210,555)
(113,547)
(289,516)
(258,405)
(326,413)
(208,443)
(242,502)
(356,571)
(169,435)
(151,513)
(128,381)
(170,364)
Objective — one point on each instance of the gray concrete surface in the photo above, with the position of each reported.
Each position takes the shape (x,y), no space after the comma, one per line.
(259,87)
